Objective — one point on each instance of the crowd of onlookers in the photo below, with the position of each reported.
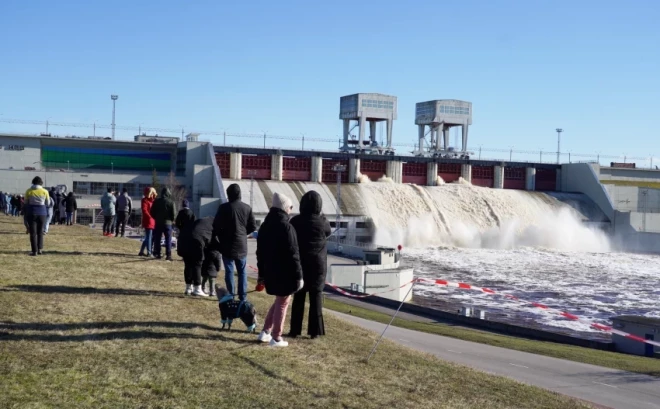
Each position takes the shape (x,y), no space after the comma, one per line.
(291,253)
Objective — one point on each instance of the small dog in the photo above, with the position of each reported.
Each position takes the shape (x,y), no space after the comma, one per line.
(230,309)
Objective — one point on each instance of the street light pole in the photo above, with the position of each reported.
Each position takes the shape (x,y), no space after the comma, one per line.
(114,101)
(559,131)
(339,168)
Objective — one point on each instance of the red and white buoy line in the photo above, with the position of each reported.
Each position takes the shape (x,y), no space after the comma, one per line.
(564,314)
(466,286)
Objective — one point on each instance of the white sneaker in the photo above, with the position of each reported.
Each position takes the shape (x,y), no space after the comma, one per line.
(264,337)
(188,289)
(197,291)
(281,343)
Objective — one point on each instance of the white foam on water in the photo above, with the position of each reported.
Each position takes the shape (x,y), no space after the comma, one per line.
(524,243)
(468,216)
(363,178)
(591,285)
(461,181)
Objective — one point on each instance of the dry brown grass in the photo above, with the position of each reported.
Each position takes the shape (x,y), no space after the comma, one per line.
(91,325)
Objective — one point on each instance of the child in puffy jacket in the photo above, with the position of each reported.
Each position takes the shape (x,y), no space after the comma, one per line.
(211,267)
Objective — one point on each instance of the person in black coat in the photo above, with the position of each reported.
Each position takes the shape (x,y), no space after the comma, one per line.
(70,207)
(233,222)
(191,245)
(278,262)
(312,229)
(185,216)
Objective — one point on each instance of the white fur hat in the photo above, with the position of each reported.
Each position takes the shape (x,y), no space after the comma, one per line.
(282,202)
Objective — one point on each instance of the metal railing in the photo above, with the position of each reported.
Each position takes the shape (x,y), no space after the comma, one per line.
(331,143)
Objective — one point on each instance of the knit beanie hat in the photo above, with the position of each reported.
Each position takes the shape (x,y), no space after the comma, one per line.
(282,202)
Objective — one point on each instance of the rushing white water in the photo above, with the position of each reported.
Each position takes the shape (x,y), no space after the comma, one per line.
(474,217)
(524,243)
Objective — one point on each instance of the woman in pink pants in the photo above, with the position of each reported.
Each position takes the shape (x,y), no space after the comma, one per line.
(279,267)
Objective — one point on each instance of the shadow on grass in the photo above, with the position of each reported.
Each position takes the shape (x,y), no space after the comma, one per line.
(272,374)
(116,335)
(135,334)
(74,253)
(62,289)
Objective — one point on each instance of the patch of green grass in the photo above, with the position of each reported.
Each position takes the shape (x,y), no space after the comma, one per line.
(89,324)
(648,366)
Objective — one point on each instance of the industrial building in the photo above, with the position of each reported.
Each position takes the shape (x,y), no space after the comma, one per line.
(440,116)
(89,166)
(359,109)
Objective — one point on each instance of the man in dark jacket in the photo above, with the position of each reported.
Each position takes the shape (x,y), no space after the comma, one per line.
(312,230)
(124,208)
(233,222)
(163,211)
(185,217)
(279,267)
(193,241)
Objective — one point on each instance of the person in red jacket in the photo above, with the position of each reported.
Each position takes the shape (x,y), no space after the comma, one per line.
(148,222)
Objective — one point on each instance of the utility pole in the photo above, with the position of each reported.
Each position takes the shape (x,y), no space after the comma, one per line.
(339,168)
(114,102)
(559,131)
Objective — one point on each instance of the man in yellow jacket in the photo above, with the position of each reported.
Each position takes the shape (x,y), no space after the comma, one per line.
(36,211)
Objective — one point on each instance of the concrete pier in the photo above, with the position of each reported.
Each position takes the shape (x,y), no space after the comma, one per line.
(530,179)
(276,167)
(317,169)
(432,174)
(235,165)
(498,178)
(353,170)
(394,171)
(466,171)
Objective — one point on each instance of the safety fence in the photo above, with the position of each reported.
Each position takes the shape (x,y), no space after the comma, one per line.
(265,139)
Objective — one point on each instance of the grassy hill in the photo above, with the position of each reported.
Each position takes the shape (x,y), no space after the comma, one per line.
(90,324)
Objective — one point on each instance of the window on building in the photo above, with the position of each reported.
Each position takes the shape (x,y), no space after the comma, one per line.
(97,188)
(81,188)
(361,225)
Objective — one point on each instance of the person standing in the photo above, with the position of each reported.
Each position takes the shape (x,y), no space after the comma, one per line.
(108,206)
(63,209)
(278,262)
(3,204)
(233,222)
(36,199)
(148,223)
(185,216)
(164,213)
(312,230)
(70,206)
(193,241)
(124,208)
(49,212)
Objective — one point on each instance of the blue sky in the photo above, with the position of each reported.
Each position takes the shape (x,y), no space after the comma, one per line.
(528,67)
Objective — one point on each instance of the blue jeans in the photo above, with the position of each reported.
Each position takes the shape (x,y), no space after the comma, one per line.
(242,276)
(69,217)
(49,217)
(146,243)
(160,230)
